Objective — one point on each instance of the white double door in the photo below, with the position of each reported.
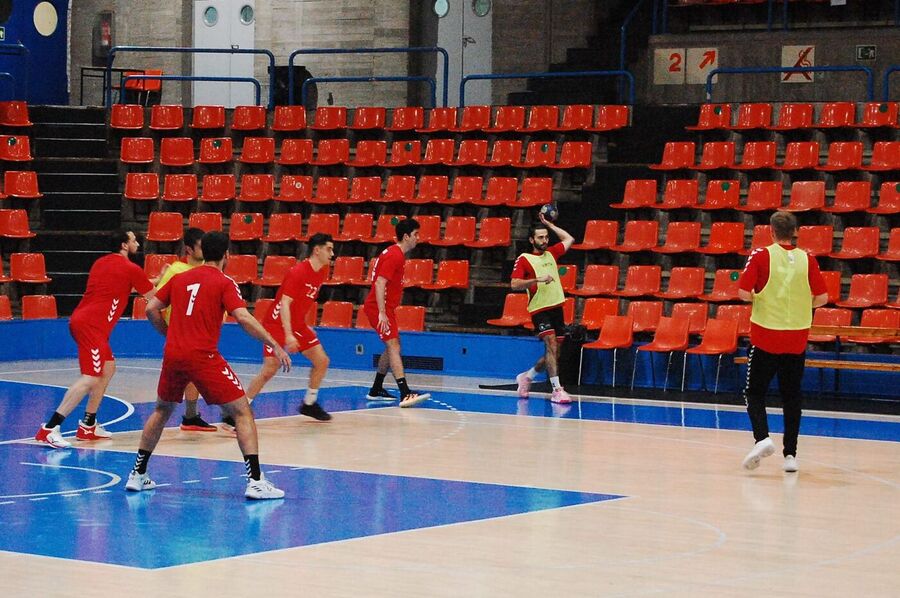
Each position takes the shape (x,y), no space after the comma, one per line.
(467,37)
(224,24)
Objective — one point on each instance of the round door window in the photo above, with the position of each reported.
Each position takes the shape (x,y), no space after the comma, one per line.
(45,18)
(247,14)
(211,16)
(441,8)
(481,7)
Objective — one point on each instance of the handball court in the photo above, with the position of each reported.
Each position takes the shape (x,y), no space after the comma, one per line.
(476,493)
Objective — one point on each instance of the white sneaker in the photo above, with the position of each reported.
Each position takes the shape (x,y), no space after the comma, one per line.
(559,395)
(262,489)
(790,464)
(52,437)
(763,448)
(138,482)
(524,383)
(414,398)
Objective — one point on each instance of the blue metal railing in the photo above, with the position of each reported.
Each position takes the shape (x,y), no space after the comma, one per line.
(10,49)
(252,80)
(430,80)
(886,82)
(117,49)
(623,41)
(487,76)
(870,77)
(403,50)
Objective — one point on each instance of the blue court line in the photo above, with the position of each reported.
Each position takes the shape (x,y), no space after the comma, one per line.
(201,515)
(22,405)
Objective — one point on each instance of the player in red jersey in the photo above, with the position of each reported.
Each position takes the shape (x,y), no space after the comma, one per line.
(287,324)
(380,306)
(199,297)
(109,284)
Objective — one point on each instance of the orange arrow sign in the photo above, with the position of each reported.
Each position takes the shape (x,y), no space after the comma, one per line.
(708,58)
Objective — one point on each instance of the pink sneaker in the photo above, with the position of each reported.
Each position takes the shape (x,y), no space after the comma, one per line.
(524,383)
(560,396)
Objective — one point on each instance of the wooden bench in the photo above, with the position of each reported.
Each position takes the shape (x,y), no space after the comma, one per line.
(840,364)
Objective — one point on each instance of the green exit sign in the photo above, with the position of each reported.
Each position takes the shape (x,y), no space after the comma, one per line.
(867,52)
(2,34)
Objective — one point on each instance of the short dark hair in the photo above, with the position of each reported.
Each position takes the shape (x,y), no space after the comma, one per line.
(192,235)
(117,238)
(784,224)
(535,228)
(319,239)
(406,227)
(214,245)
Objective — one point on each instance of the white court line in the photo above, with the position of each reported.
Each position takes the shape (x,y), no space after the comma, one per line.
(114,479)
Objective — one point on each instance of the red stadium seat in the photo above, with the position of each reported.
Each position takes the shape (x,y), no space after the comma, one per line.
(295,152)
(830,316)
(536,191)
(506,152)
(346,270)
(248,118)
(180,187)
(404,153)
(361,320)
(540,154)
(645,315)
(474,118)
(878,318)
(429,228)
(494,232)
(616,332)
(241,268)
(843,155)
(368,118)
(680,237)
(289,119)
(407,118)
(684,283)
(155,262)
(399,188)
(736,313)
(28,267)
(832,280)
(851,196)
(176,151)
(451,274)
(763,196)
(575,154)
(866,290)
(432,189)
(439,119)
(598,234)
(680,193)
(15,148)
(208,117)
(472,152)
(139,186)
(458,230)
(332,151)
(724,237)
(365,189)
(466,189)
(369,153)
(800,155)
(676,155)
(815,240)
(762,237)
(719,338)
(385,229)
(722,195)
(274,269)
(639,193)
(14,114)
(330,118)
(515,311)
(5,309)
(806,196)
(129,117)
(725,286)
(541,118)
(139,309)
(794,116)
(640,235)
(258,150)
(712,116)
(758,154)
(716,155)
(597,309)
(165,227)
(892,254)
(205,221)
(337,314)
(568,277)
(417,272)
(216,150)
(166,118)
(439,151)
(357,227)
(859,242)
(284,228)
(410,318)
(507,119)
(576,117)
(610,118)
(879,114)
(14,225)
(39,307)
(218,188)
(641,281)
(246,226)
(885,156)
(753,116)
(137,150)
(331,190)
(257,187)
(888,199)
(696,314)
(263,307)
(836,115)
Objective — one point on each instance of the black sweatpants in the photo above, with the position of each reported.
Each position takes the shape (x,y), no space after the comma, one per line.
(761,368)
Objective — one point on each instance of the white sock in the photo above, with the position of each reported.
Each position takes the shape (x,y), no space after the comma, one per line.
(311,395)
(554,380)
(532,373)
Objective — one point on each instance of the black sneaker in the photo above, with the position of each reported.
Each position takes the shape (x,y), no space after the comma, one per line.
(196,424)
(381,395)
(228,423)
(314,411)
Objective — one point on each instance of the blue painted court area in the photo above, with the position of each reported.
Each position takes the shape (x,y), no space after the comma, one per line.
(72,504)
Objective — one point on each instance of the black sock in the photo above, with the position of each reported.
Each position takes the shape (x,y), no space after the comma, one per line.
(55,420)
(378,384)
(252,463)
(404,388)
(140,463)
(89,419)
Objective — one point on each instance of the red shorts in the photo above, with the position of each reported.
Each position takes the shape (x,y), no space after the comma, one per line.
(372,314)
(209,372)
(306,339)
(93,349)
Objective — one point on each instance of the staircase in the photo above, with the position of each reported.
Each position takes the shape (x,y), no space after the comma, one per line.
(81,202)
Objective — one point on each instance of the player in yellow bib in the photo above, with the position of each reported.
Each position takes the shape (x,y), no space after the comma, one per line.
(193,257)
(538,274)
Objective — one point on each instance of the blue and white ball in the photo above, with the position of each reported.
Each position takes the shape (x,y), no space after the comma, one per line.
(550,212)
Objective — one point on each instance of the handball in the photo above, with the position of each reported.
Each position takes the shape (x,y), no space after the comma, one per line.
(550,212)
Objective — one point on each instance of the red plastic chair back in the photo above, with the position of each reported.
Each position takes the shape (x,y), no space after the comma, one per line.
(680,193)
(837,114)
(284,227)
(815,240)
(332,151)
(458,230)
(725,286)
(576,154)
(417,272)
(599,279)
(165,227)
(137,150)
(598,234)
(640,235)
(22,184)
(610,118)
(347,270)
(241,268)
(830,316)
(139,186)
(506,152)
(716,154)
(794,116)
(295,152)
(28,267)
(258,150)
(176,151)
(289,118)
(474,118)
(695,313)
(639,193)
(736,313)
(432,189)
(859,242)
(451,274)
(216,150)
(719,338)
(439,119)
(851,196)
(540,153)
(762,237)
(885,156)
(722,195)
(322,223)
(799,155)
(257,187)
(596,311)
(357,227)
(542,118)
(208,117)
(866,290)
(248,118)
(758,154)
(806,196)
(501,190)
(763,196)
(331,190)
(754,116)
(180,187)
(166,117)
(576,117)
(399,188)
(508,118)
(407,118)
(365,189)
(439,151)
(879,114)
(641,280)
(536,191)
(246,226)
(684,283)
(275,267)
(369,152)
(39,307)
(472,152)
(466,189)
(205,221)
(330,118)
(843,155)
(515,311)
(712,116)
(677,155)
(404,153)
(218,187)
(155,262)
(337,314)
(725,237)
(494,232)
(369,117)
(385,228)
(645,315)
(14,225)
(410,318)
(126,117)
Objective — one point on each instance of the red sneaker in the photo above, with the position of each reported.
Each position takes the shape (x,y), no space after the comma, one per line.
(51,437)
(95,432)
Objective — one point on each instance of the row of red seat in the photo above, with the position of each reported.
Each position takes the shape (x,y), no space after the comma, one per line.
(646,316)
(25,267)
(167,227)
(798,155)
(794,116)
(20,183)
(409,118)
(762,196)
(14,225)
(14,114)
(535,191)
(34,307)
(179,152)
(15,148)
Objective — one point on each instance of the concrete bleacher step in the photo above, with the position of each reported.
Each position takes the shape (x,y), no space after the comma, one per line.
(69,130)
(67,283)
(102,220)
(80,200)
(89,182)
(76,165)
(67,114)
(60,147)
